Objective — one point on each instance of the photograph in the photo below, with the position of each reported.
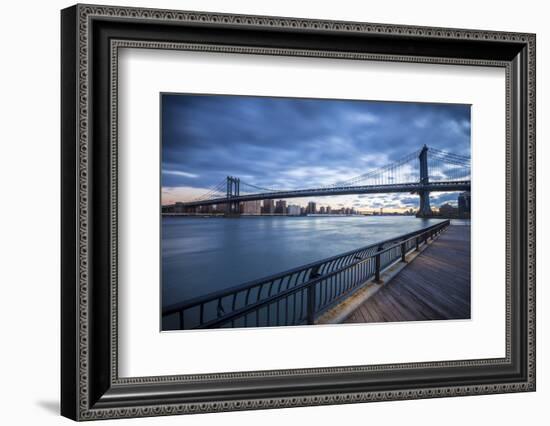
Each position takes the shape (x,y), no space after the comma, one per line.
(281,212)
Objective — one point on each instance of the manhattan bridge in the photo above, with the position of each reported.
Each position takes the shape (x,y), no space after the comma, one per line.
(421,172)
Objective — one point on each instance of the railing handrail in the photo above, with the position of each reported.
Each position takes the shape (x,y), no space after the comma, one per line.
(177,307)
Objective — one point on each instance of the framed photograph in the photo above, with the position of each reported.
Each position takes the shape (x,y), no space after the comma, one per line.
(263,212)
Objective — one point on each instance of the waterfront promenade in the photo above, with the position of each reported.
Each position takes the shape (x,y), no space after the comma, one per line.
(413,276)
(435,286)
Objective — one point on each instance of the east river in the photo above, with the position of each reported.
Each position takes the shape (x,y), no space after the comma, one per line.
(202,255)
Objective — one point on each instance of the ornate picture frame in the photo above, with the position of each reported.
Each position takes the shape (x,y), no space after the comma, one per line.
(91,37)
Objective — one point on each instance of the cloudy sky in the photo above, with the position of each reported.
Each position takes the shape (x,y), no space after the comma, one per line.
(290,143)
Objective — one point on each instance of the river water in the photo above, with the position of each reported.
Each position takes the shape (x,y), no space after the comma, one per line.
(202,255)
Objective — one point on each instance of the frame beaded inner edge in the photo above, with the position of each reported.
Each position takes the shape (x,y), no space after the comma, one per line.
(115,46)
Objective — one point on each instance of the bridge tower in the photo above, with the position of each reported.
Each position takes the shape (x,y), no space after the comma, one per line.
(233,190)
(424,209)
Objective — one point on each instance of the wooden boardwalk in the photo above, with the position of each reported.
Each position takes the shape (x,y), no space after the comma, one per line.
(435,286)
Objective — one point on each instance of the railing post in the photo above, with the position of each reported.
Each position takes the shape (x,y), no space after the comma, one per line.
(311,295)
(403,252)
(311,304)
(315,272)
(417,243)
(377,268)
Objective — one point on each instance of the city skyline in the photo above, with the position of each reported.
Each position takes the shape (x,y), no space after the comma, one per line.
(280,207)
(285,143)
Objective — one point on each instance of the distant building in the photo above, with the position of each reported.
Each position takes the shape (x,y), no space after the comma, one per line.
(302,211)
(311,207)
(178,207)
(464,205)
(280,207)
(293,210)
(252,207)
(328,210)
(448,211)
(269,207)
(322,210)
(219,208)
(170,208)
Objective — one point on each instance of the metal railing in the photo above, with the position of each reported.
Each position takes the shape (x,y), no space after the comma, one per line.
(297,296)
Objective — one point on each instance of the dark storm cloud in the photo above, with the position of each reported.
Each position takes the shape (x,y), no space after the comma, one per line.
(296,143)
(439,199)
(410,201)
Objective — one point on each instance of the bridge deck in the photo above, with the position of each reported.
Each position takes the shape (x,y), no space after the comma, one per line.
(435,286)
(435,186)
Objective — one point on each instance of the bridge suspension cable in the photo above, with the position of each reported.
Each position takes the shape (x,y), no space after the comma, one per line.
(391,172)
(245,184)
(215,191)
(448,156)
(442,165)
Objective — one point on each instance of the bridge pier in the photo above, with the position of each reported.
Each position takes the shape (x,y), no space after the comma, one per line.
(424,210)
(233,190)
(232,209)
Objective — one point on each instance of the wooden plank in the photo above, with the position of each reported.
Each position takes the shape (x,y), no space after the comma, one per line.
(436,286)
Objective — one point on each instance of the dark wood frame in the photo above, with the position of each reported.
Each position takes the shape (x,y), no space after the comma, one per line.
(91,388)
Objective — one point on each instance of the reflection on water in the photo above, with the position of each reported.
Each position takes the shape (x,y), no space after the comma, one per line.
(202,255)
